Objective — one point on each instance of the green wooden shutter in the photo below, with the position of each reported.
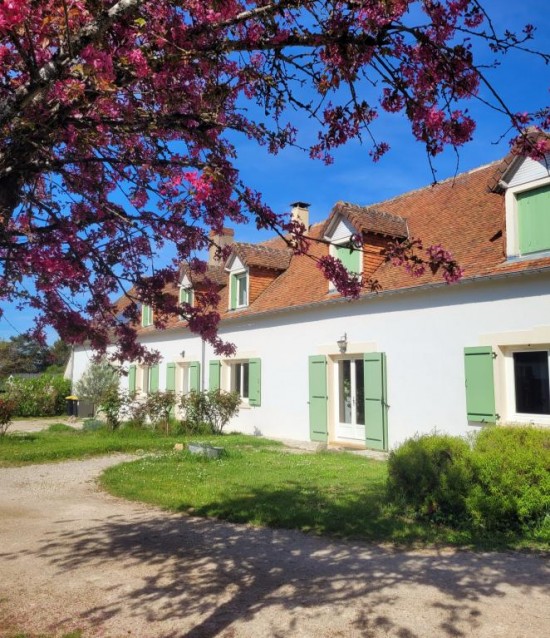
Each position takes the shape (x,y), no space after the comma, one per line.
(480,385)
(214,368)
(350,258)
(233,292)
(255,382)
(132,378)
(195,376)
(154,378)
(318,398)
(534,220)
(376,406)
(171,377)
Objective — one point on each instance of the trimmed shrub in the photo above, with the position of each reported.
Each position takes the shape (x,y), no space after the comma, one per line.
(43,395)
(213,408)
(511,487)
(432,474)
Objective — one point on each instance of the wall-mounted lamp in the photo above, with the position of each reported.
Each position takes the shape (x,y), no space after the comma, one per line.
(182,354)
(343,343)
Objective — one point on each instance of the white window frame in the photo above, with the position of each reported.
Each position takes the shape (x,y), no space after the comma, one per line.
(236,278)
(142,379)
(512,224)
(233,378)
(512,415)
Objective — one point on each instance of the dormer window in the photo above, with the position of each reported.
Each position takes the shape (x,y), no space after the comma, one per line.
(238,283)
(239,290)
(527,184)
(186,292)
(146,315)
(340,233)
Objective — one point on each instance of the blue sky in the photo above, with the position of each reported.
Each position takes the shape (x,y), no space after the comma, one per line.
(522,80)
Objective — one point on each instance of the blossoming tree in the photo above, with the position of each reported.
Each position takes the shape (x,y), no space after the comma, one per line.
(118,120)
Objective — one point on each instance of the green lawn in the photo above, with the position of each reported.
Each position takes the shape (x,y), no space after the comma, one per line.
(256,482)
(335,494)
(61,443)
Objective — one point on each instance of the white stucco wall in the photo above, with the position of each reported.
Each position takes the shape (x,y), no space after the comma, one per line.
(423,334)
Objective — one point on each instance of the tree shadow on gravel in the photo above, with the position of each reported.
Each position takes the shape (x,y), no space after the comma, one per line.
(220,573)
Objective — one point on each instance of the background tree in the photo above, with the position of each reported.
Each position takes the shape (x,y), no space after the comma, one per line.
(117,122)
(25,354)
(98,384)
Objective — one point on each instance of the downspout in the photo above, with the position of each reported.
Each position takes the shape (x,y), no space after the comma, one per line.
(203,363)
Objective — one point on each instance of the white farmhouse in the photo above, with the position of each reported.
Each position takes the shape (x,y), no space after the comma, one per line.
(418,356)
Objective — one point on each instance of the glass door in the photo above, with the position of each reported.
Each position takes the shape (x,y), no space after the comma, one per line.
(350,400)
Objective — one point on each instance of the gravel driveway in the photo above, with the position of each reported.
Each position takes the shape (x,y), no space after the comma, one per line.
(73,557)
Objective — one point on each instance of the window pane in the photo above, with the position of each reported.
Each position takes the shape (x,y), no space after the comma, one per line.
(241,290)
(532,382)
(237,378)
(245,380)
(344,374)
(359,393)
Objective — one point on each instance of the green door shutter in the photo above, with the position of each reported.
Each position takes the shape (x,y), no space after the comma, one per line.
(255,381)
(171,377)
(195,375)
(480,386)
(132,378)
(376,406)
(534,220)
(318,398)
(214,375)
(154,378)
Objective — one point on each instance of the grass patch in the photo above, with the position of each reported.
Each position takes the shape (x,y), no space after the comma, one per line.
(57,444)
(334,494)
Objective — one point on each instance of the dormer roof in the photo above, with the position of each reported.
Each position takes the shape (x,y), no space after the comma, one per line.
(215,274)
(510,164)
(367,219)
(261,256)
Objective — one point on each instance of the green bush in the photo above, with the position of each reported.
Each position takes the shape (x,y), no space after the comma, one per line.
(43,395)
(511,487)
(432,474)
(211,407)
(501,484)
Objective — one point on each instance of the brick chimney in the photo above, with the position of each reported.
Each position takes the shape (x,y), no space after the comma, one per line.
(300,213)
(225,238)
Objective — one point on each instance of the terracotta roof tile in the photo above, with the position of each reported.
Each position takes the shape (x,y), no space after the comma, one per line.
(462,214)
(215,274)
(371,219)
(263,256)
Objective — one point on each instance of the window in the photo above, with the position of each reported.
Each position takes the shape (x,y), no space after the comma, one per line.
(186,295)
(521,377)
(240,374)
(243,377)
(146,316)
(239,290)
(531,382)
(147,379)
